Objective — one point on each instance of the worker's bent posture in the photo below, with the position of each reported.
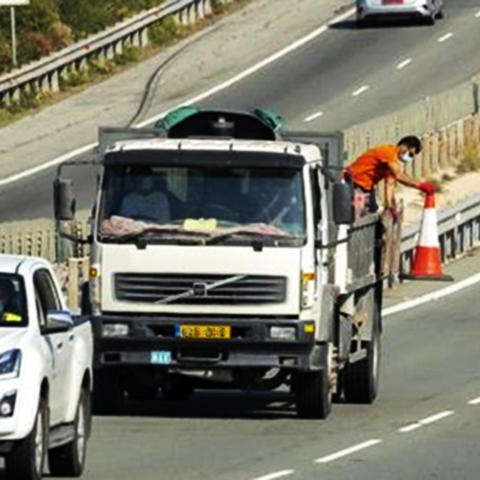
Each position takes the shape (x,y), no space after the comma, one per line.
(385,162)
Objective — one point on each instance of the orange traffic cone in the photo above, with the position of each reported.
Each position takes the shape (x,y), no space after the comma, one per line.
(427,263)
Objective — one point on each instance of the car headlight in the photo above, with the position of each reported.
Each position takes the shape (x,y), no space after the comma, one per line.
(10,364)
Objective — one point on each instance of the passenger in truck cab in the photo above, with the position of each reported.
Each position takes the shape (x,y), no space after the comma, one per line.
(143,200)
(9,311)
(385,162)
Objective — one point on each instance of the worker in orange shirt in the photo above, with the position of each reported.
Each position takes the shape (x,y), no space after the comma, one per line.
(385,162)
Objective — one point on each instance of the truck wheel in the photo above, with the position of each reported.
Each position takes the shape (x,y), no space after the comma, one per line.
(85,305)
(362,378)
(176,390)
(107,393)
(138,392)
(26,460)
(312,394)
(69,460)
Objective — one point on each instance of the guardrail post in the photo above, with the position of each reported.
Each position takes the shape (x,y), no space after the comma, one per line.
(54,83)
(14,95)
(144,37)
(207,8)
(191,15)
(200,11)
(118,48)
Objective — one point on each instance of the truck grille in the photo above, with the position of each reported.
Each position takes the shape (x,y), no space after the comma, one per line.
(162,288)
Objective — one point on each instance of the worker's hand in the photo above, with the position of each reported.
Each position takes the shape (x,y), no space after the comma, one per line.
(428,187)
(394,213)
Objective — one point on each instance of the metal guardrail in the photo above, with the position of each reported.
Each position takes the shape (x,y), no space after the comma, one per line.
(44,74)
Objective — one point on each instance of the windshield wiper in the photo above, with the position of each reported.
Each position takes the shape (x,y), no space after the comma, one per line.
(141,234)
(251,231)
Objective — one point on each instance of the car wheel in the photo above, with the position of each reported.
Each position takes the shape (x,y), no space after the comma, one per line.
(27,459)
(69,460)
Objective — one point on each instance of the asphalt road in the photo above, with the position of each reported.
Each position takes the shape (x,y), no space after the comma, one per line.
(429,374)
(344,77)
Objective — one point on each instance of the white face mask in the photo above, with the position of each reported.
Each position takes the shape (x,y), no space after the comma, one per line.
(406,157)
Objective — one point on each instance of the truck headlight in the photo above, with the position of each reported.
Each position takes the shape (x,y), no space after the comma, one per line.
(115,330)
(283,333)
(10,364)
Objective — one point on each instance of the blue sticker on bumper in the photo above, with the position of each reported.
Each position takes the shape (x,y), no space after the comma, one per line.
(161,358)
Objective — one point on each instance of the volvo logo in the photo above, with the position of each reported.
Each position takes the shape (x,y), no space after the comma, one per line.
(200,289)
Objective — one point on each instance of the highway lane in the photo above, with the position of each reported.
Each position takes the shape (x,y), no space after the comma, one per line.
(430,369)
(328,75)
(343,77)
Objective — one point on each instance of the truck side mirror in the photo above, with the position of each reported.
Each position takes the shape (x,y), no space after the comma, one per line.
(63,199)
(343,208)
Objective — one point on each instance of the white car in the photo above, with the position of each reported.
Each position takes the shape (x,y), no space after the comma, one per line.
(427,10)
(45,373)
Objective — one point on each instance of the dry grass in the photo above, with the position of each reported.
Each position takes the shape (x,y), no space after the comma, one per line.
(469,160)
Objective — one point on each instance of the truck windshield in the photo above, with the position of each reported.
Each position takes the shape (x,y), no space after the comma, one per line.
(209,203)
(12,301)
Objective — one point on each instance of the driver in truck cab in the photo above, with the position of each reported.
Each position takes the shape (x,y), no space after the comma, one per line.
(144,201)
(384,162)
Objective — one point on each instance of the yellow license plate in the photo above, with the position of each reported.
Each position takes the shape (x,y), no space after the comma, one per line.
(204,332)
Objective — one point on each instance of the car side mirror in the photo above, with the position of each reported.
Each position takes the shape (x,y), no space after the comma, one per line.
(58,322)
(343,207)
(64,203)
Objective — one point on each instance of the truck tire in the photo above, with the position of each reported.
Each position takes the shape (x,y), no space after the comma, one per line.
(361,380)
(107,392)
(69,460)
(85,304)
(176,390)
(27,459)
(312,394)
(142,393)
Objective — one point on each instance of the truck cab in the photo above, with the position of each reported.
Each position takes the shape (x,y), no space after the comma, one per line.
(219,255)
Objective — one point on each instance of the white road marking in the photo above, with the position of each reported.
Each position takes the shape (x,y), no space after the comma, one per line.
(403,64)
(313,116)
(409,428)
(208,93)
(436,417)
(273,476)
(446,37)
(475,401)
(443,292)
(361,90)
(348,451)
(477,14)
(426,421)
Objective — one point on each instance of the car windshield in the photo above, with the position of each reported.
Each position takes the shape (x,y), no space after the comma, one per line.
(12,301)
(211,204)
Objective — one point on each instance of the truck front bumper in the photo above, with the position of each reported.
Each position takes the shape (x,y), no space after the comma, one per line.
(157,341)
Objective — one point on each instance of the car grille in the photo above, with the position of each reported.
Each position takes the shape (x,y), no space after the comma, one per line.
(158,288)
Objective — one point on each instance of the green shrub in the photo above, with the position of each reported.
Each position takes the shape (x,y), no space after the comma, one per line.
(165,31)
(130,54)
